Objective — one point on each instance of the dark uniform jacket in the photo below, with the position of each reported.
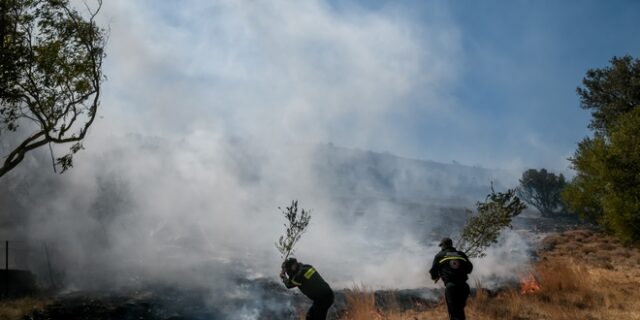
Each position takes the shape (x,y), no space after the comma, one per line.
(451,265)
(310,283)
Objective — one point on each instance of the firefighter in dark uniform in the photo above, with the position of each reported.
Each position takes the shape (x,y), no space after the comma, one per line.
(308,280)
(452,266)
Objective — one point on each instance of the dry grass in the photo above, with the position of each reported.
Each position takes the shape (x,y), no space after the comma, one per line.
(582,275)
(361,305)
(16,308)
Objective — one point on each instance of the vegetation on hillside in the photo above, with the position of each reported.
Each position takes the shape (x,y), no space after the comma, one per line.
(542,189)
(607,184)
(581,274)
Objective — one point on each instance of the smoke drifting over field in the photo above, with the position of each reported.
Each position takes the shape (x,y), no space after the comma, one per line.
(156,208)
(215,118)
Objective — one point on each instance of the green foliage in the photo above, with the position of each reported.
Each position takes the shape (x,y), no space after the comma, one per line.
(296,225)
(494,214)
(611,92)
(583,195)
(542,190)
(50,76)
(607,187)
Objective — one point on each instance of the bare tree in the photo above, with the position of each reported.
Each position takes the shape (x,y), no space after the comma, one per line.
(51,74)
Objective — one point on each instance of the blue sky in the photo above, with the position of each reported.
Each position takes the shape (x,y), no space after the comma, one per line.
(489,83)
(523,61)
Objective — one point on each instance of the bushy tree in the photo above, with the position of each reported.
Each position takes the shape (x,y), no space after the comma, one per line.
(542,189)
(493,215)
(611,92)
(50,77)
(606,188)
(584,193)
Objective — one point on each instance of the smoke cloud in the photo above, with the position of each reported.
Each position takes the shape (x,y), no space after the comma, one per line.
(217,113)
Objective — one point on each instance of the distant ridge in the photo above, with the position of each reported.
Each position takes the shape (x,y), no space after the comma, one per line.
(383,175)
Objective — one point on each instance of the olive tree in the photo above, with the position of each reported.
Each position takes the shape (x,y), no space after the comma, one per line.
(297,223)
(493,215)
(50,77)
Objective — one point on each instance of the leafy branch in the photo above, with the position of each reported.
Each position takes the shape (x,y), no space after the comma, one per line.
(296,225)
(494,214)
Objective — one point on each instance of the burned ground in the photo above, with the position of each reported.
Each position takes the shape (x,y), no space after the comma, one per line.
(582,274)
(253,299)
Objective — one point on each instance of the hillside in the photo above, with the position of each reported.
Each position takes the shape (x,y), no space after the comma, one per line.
(579,274)
(116,194)
(368,174)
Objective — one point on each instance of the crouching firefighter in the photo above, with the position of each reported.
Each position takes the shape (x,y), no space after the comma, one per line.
(311,284)
(452,266)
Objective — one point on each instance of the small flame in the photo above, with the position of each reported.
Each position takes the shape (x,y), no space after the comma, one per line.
(529,284)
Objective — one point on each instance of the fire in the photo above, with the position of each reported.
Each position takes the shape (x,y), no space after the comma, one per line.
(529,284)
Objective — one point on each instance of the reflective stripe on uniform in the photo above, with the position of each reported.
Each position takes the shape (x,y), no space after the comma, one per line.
(309,273)
(295,283)
(452,258)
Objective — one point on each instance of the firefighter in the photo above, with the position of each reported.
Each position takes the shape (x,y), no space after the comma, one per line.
(452,266)
(311,284)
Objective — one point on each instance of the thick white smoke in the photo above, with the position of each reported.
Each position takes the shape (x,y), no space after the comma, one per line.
(213,116)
